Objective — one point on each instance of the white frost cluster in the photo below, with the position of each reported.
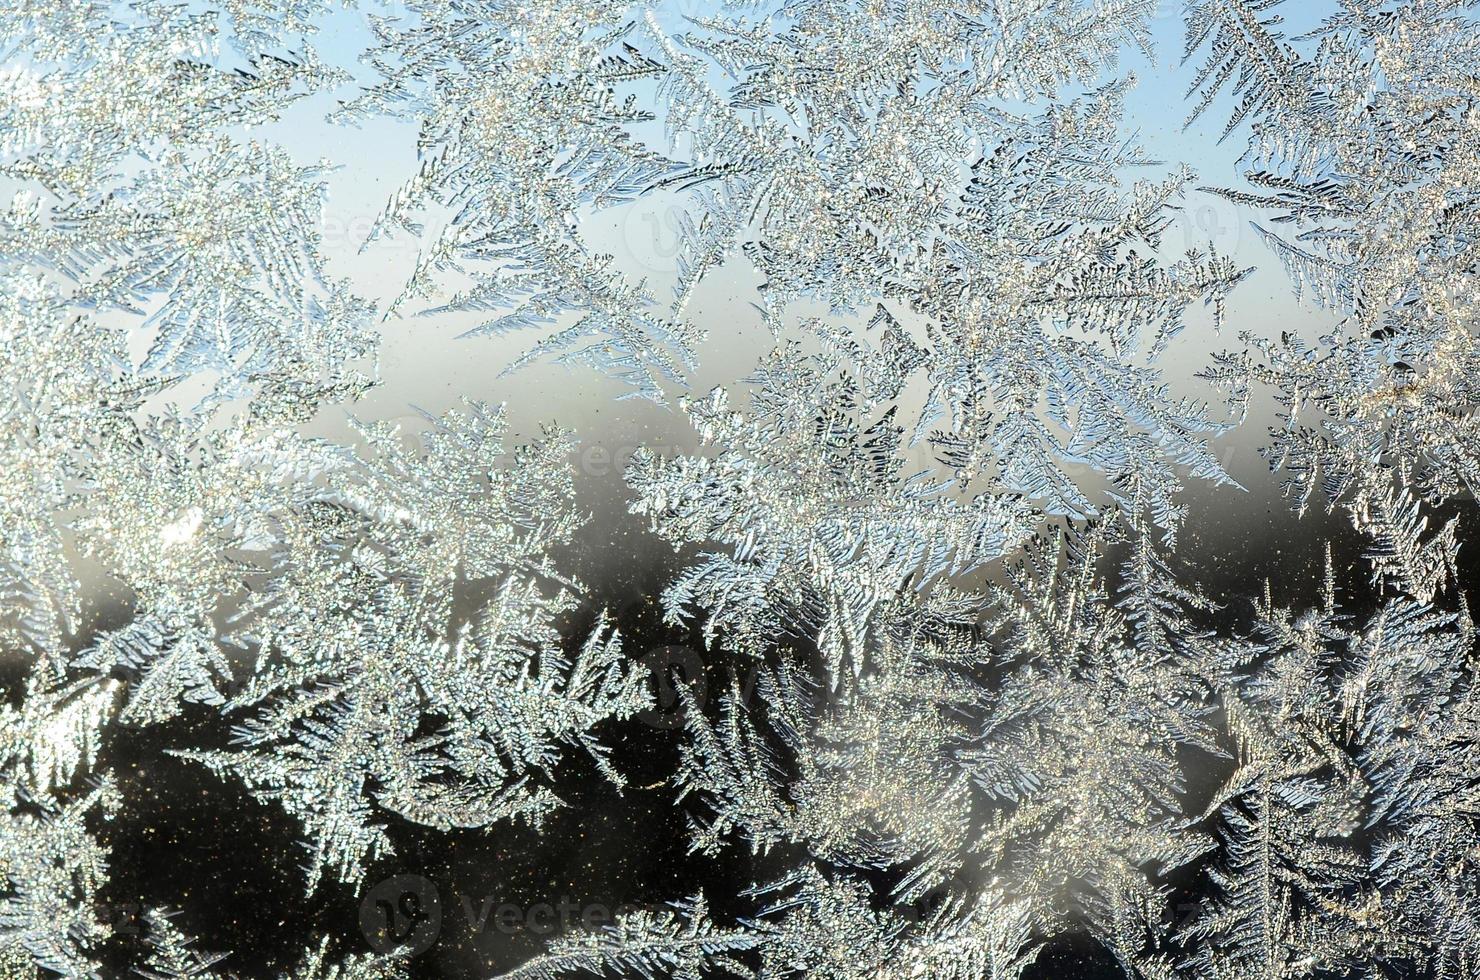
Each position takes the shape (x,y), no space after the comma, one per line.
(939,519)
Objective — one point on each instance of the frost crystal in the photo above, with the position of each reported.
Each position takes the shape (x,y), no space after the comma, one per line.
(361,644)
(972,706)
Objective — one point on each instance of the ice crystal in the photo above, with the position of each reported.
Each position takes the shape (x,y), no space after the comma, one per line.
(810,494)
(362,643)
(815,925)
(153,207)
(174,956)
(51,865)
(851,173)
(935,538)
(1363,146)
(520,129)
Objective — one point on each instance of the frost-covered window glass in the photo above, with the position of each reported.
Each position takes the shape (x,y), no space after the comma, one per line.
(739,488)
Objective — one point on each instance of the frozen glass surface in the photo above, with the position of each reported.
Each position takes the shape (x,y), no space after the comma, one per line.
(783,488)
